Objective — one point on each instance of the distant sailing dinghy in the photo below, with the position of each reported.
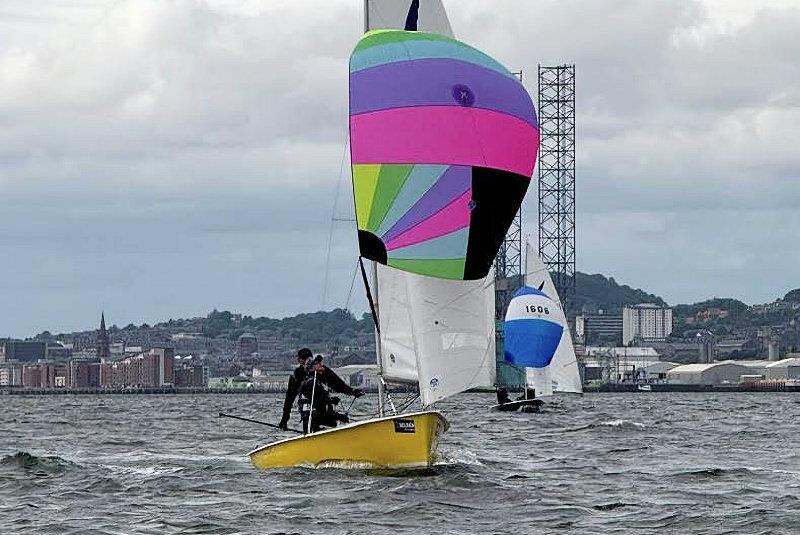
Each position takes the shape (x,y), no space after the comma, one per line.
(537,338)
(443,146)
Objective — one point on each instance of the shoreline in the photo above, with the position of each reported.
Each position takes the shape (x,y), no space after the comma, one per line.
(21,391)
(610,388)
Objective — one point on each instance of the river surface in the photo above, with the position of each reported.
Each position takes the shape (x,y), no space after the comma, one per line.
(601,463)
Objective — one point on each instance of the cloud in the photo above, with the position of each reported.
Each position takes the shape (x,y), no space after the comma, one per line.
(163,158)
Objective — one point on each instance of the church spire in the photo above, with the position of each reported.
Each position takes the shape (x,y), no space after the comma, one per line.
(103,344)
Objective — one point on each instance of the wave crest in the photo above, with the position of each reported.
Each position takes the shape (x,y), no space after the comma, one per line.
(39,466)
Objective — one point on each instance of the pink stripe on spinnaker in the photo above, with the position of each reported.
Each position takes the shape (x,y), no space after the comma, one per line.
(445,135)
(452,217)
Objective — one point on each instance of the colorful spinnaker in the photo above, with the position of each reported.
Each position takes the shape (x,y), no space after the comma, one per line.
(443,144)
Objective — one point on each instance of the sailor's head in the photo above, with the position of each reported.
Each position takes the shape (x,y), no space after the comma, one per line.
(316,364)
(304,355)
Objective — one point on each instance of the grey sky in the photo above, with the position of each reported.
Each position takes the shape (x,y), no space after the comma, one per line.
(162,158)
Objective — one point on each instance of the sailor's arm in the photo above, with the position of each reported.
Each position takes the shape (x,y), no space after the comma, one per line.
(336,384)
(291,393)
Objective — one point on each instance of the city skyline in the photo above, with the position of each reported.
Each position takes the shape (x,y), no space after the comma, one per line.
(161,160)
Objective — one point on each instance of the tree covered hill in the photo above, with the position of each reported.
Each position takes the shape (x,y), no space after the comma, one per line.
(598,292)
(332,328)
(340,327)
(793,296)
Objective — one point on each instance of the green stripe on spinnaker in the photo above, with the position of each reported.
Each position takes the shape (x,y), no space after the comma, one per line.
(451,268)
(365,180)
(382,37)
(390,182)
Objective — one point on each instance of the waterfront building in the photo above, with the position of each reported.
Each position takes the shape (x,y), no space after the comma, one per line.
(616,364)
(191,376)
(599,327)
(133,371)
(646,322)
(31,376)
(48,375)
(718,373)
(45,375)
(158,367)
(788,368)
(756,367)
(84,374)
(656,372)
(106,375)
(79,374)
(114,374)
(231,383)
(11,374)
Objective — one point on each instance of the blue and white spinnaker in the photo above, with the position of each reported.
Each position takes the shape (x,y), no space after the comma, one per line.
(537,336)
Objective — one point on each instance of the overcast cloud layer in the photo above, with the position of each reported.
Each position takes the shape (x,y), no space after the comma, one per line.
(162,158)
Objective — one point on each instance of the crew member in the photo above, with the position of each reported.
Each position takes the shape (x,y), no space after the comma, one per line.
(304,357)
(315,389)
(503,400)
(529,396)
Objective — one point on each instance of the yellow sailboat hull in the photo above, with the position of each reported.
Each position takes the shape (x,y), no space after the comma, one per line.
(401,441)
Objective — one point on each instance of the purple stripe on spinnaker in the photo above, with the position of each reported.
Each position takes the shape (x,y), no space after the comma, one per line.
(452,184)
(430,82)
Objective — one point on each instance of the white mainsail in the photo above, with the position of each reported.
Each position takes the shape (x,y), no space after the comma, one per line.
(437,332)
(385,14)
(562,375)
(398,352)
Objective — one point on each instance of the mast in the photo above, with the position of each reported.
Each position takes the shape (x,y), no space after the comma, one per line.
(374,302)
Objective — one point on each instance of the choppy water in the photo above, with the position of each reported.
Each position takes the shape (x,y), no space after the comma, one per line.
(602,463)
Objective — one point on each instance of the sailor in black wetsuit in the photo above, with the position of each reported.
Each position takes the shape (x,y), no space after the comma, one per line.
(315,400)
(505,403)
(502,399)
(304,357)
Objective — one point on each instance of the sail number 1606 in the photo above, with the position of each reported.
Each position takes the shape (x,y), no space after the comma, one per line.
(533,309)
